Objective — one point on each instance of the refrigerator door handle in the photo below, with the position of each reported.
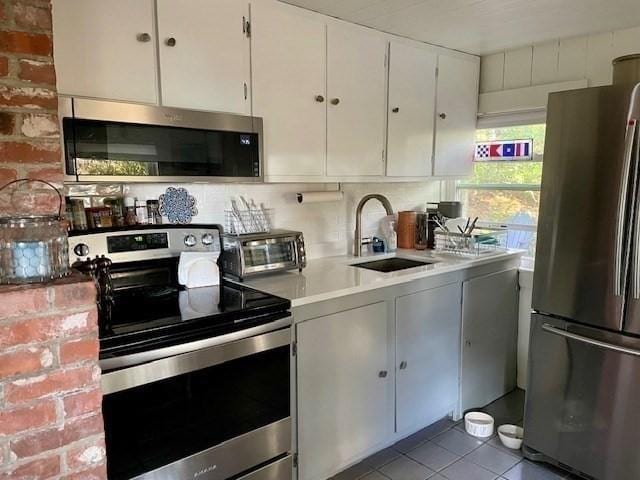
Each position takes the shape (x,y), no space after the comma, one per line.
(635,272)
(621,217)
(590,341)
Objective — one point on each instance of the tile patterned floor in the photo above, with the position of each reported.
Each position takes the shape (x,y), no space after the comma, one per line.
(444,451)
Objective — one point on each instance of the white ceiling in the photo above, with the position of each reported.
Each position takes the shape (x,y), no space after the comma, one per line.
(483,26)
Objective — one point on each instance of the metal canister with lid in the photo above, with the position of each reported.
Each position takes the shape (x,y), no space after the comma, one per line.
(33,248)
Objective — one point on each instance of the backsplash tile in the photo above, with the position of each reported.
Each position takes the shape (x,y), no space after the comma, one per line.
(327,227)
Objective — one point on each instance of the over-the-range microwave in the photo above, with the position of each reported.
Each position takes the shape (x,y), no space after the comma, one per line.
(106,141)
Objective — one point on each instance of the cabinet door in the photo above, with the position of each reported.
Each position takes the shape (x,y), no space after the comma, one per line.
(356,89)
(489,333)
(412,95)
(106,49)
(345,404)
(457,111)
(289,87)
(204,54)
(427,356)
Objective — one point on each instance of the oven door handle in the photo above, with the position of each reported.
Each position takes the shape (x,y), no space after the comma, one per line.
(168,367)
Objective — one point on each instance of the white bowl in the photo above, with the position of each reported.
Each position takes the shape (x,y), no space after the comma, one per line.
(511,436)
(478,424)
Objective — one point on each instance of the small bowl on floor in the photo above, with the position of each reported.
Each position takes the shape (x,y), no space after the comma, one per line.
(511,436)
(478,424)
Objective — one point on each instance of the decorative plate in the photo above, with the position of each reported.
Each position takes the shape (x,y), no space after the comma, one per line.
(177,205)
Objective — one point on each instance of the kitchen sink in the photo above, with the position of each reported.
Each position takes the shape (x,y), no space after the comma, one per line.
(391,264)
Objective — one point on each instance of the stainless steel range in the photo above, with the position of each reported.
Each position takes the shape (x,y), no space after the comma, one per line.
(196,382)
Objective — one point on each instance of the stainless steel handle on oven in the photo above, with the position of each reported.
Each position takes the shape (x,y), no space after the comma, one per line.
(198,359)
(590,341)
(621,219)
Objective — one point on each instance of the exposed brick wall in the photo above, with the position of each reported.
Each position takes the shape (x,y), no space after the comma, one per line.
(50,400)
(29,133)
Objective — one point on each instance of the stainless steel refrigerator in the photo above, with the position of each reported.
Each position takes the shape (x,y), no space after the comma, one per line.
(583,396)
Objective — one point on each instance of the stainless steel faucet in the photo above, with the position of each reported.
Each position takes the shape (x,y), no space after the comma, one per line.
(357,238)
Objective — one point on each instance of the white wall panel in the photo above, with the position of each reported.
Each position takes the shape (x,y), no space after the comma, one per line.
(492,73)
(599,55)
(517,68)
(626,41)
(572,59)
(545,63)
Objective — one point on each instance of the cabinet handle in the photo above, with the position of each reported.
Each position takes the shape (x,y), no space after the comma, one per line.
(319,98)
(143,37)
(335,101)
(403,365)
(382,374)
(395,109)
(170,42)
(443,115)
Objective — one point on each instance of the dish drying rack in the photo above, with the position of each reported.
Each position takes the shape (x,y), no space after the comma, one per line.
(240,222)
(481,241)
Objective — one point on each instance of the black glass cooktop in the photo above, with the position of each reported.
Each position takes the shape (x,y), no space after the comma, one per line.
(147,316)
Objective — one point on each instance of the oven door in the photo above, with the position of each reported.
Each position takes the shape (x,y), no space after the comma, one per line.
(279,253)
(212,413)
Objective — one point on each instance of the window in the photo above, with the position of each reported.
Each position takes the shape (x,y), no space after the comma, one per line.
(507,192)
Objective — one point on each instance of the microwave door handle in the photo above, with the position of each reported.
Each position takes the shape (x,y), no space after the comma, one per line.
(621,214)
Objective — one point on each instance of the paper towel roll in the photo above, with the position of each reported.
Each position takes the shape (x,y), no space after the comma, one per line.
(317,197)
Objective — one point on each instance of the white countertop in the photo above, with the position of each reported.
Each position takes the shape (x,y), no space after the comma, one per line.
(332,277)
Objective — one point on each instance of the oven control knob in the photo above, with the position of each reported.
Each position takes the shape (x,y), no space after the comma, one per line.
(190,240)
(81,249)
(207,239)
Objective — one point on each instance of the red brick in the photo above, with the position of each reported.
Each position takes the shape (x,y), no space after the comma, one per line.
(22,152)
(36,470)
(4,64)
(75,295)
(6,176)
(54,438)
(42,329)
(21,419)
(32,16)
(57,382)
(37,72)
(23,42)
(26,361)
(95,473)
(8,122)
(23,301)
(82,403)
(85,349)
(88,455)
(50,174)
(28,97)
(40,125)
(29,203)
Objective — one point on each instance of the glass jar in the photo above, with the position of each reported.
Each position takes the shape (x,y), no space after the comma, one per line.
(33,249)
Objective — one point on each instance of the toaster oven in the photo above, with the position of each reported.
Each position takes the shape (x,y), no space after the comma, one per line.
(256,253)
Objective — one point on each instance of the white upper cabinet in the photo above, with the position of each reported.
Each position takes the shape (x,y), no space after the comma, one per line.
(356,91)
(106,49)
(289,87)
(457,110)
(204,54)
(412,94)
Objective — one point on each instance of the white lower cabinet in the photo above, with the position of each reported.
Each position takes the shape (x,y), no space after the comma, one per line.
(427,356)
(345,389)
(490,335)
